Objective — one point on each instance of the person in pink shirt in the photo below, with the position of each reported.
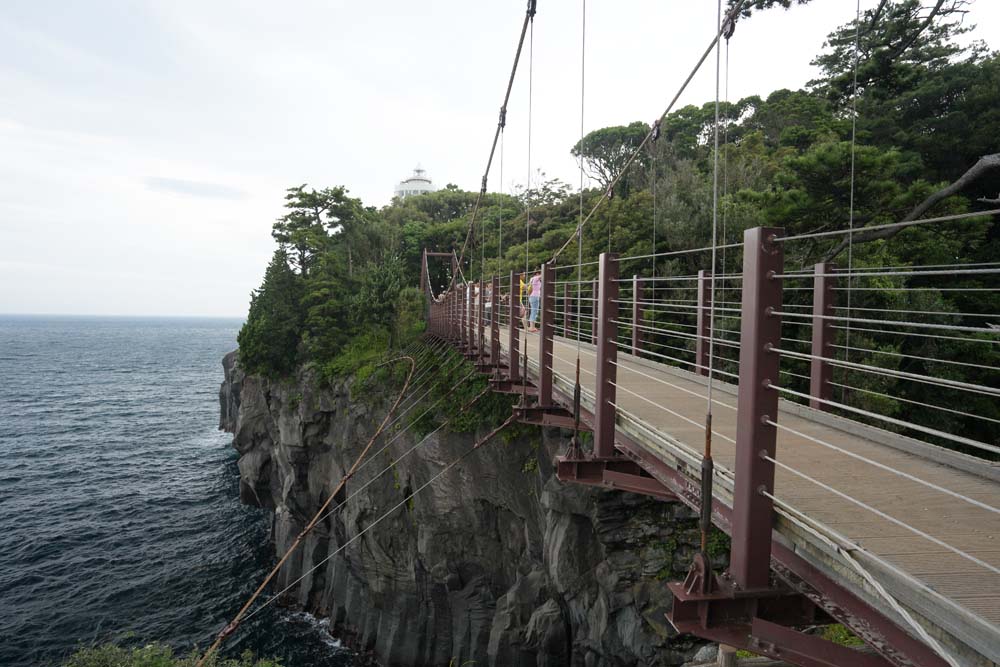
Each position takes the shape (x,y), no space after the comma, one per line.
(534,298)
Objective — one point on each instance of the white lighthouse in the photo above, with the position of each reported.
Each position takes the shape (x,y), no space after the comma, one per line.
(417,184)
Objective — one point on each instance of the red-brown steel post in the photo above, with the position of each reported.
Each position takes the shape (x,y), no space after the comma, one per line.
(757,402)
(704,322)
(463,298)
(820,371)
(593,311)
(637,314)
(495,322)
(546,330)
(607,356)
(513,333)
(481,321)
(470,318)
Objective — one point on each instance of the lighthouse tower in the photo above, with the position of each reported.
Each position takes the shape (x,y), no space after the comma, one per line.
(417,184)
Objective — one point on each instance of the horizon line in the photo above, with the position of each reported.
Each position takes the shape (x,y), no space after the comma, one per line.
(124,315)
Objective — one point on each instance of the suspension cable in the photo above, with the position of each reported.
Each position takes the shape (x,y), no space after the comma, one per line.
(707,473)
(412,449)
(231,627)
(737,7)
(527,203)
(850,217)
(529,17)
(479,443)
(496,301)
(579,234)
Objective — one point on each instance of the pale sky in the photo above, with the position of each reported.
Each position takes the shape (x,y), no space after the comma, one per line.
(145,146)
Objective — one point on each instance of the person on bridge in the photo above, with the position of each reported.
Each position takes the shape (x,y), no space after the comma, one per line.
(534,297)
(523,311)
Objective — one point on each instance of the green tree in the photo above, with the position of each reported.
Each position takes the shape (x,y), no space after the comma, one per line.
(606,151)
(269,340)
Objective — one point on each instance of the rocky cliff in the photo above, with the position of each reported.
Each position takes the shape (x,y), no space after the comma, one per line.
(497,563)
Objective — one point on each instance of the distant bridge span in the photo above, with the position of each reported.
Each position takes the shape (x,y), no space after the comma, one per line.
(830,518)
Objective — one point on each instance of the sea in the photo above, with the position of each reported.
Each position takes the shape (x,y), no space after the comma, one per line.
(120,518)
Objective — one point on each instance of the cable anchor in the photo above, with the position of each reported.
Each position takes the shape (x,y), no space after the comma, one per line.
(503,117)
(728,27)
(532,8)
(228,630)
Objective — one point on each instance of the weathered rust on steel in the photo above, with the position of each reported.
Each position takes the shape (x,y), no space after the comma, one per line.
(495,322)
(463,320)
(707,479)
(547,332)
(607,356)
(513,337)
(481,323)
(821,372)
(704,321)
(877,630)
(623,475)
(471,303)
(760,331)
(637,314)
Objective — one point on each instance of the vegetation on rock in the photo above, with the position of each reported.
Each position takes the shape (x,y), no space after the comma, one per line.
(155,655)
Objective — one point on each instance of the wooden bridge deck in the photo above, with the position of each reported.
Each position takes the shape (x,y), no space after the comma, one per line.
(924,576)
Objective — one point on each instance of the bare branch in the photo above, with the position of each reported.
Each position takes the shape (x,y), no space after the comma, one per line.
(899,50)
(983,166)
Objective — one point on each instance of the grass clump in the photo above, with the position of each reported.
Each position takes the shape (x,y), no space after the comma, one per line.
(156,655)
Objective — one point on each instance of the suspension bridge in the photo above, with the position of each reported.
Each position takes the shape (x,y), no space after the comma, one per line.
(729,392)
(739,391)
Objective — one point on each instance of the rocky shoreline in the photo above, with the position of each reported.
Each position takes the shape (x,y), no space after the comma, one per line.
(497,563)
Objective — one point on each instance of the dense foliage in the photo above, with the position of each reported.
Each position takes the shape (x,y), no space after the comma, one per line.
(155,655)
(927,111)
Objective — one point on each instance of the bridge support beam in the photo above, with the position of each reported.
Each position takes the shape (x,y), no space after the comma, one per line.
(481,322)
(462,329)
(760,330)
(546,332)
(621,475)
(764,624)
(513,333)
(820,372)
(470,302)
(607,356)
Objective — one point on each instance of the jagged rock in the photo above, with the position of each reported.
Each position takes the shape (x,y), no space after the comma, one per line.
(708,653)
(497,562)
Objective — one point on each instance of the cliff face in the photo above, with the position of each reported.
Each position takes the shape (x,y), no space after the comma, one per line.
(497,562)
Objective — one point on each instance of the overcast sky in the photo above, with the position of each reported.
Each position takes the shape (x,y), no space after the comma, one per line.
(145,146)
